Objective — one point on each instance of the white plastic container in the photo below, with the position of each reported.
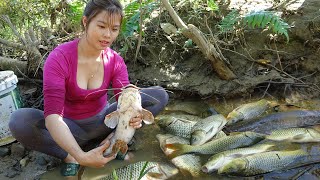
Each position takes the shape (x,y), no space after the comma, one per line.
(10,100)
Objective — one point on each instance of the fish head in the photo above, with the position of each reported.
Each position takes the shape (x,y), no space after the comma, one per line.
(130,97)
(165,121)
(234,167)
(161,171)
(213,163)
(234,117)
(197,137)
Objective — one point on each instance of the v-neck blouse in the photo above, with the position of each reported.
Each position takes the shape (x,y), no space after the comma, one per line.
(64,97)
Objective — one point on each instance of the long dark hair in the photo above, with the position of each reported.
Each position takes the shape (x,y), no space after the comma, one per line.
(94,7)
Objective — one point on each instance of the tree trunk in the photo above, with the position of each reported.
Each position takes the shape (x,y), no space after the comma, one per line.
(208,49)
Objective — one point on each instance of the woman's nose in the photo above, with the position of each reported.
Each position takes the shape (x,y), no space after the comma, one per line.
(107,32)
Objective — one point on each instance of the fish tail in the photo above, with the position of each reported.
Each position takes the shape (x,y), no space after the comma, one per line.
(177,149)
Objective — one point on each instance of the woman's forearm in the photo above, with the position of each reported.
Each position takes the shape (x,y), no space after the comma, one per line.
(61,134)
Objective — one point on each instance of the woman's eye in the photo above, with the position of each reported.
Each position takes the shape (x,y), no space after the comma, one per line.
(101,26)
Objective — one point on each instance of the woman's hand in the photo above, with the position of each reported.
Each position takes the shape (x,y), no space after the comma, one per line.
(136,122)
(95,158)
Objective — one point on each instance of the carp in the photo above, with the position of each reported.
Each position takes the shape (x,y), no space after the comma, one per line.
(232,141)
(247,111)
(302,135)
(187,163)
(180,125)
(129,106)
(218,160)
(282,120)
(268,161)
(206,128)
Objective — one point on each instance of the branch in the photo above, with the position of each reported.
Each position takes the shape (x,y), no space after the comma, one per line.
(14,29)
(11,44)
(210,51)
(12,64)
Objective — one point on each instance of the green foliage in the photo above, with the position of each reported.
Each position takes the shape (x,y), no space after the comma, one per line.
(229,22)
(143,172)
(212,6)
(261,19)
(132,15)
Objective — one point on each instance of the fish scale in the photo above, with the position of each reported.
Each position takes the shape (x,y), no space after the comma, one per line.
(265,162)
(295,135)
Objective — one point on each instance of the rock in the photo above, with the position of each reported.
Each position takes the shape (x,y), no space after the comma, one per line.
(40,160)
(24,162)
(17,150)
(12,173)
(4,151)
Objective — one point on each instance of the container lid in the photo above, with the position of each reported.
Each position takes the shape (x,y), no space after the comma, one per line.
(7,80)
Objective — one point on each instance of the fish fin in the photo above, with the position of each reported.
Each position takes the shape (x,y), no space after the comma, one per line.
(111,120)
(147,116)
(177,149)
(298,137)
(235,156)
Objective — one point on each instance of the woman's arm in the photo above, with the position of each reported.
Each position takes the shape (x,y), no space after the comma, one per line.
(61,134)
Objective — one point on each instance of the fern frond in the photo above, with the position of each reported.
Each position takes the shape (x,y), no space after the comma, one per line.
(262,19)
(229,22)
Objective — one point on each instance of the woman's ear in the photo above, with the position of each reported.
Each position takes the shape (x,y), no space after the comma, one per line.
(84,21)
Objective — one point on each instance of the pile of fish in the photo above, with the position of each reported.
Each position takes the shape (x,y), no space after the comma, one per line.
(252,144)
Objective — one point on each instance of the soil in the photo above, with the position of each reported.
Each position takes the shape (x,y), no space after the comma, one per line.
(292,71)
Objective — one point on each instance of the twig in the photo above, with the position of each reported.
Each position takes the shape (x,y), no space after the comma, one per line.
(140,32)
(26,77)
(274,42)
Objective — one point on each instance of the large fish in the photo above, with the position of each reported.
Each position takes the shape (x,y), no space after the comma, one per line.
(154,171)
(206,128)
(218,145)
(282,120)
(247,111)
(218,160)
(179,125)
(302,135)
(187,163)
(129,106)
(268,161)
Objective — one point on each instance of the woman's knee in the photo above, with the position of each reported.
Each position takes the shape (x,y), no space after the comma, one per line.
(21,119)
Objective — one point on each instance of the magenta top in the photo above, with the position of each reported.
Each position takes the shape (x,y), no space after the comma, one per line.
(63,96)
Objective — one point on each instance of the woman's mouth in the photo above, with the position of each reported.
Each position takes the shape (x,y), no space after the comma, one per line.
(104,43)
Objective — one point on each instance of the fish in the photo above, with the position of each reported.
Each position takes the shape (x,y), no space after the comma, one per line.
(129,106)
(155,170)
(187,163)
(247,111)
(234,140)
(218,160)
(180,125)
(206,128)
(267,162)
(302,135)
(281,120)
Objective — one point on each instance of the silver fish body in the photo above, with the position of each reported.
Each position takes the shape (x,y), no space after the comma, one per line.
(266,162)
(187,163)
(282,120)
(179,125)
(218,145)
(129,106)
(218,160)
(247,111)
(206,128)
(154,170)
(301,135)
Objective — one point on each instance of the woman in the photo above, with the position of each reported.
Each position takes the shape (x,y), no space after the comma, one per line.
(75,75)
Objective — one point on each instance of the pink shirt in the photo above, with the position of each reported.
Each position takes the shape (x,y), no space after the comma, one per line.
(63,96)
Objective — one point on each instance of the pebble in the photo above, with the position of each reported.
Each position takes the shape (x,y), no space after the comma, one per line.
(24,162)
(17,150)
(4,151)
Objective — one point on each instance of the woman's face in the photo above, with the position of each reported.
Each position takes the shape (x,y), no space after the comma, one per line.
(102,30)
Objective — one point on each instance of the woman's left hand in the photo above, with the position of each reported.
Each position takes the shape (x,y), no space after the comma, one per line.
(136,122)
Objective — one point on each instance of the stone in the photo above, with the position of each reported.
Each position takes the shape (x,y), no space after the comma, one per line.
(4,151)
(17,150)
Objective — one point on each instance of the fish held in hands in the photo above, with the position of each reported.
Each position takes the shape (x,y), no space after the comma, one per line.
(129,106)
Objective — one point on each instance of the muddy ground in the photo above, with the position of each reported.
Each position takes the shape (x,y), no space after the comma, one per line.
(292,74)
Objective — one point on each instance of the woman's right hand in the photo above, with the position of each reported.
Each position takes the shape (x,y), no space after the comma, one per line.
(95,158)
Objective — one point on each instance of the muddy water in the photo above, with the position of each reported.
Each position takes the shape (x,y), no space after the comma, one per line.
(147,146)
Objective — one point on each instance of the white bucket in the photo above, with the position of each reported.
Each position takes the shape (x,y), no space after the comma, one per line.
(10,100)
